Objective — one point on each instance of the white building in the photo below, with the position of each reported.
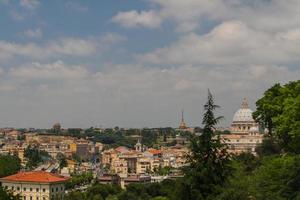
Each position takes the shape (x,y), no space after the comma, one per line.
(36,185)
(245,135)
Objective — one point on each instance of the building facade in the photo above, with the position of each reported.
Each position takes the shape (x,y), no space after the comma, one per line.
(36,185)
(244,131)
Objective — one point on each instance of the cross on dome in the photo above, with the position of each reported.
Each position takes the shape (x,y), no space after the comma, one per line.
(245,103)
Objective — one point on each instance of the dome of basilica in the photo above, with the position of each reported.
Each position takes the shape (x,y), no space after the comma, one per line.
(244,114)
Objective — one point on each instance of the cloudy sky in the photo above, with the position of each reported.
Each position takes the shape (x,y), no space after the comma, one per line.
(137,63)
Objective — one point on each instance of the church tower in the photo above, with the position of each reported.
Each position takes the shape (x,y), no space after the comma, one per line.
(138,146)
(182,124)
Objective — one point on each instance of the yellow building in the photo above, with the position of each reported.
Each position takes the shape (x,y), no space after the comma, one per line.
(71,165)
(119,166)
(73,147)
(143,165)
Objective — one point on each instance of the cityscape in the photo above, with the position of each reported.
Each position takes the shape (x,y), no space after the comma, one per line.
(149,100)
(144,156)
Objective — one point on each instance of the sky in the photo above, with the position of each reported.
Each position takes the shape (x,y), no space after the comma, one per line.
(138,63)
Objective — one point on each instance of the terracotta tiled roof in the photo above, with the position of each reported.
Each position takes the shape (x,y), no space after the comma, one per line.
(154,151)
(35,176)
(121,149)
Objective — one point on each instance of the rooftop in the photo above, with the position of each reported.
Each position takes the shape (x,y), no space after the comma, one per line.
(35,176)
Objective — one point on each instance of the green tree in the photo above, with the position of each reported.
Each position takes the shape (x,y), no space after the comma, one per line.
(268,107)
(238,185)
(75,195)
(208,159)
(268,147)
(279,111)
(159,198)
(277,178)
(35,156)
(79,180)
(9,165)
(6,195)
(288,122)
(62,160)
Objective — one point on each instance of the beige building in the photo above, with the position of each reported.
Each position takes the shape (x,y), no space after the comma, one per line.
(119,166)
(36,185)
(143,165)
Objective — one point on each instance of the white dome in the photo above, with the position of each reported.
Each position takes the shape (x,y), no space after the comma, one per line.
(243,115)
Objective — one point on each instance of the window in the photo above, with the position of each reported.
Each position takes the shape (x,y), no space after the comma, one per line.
(30,197)
(62,188)
(44,190)
(18,188)
(37,189)
(12,187)
(57,189)
(52,189)
(24,189)
(37,198)
(30,189)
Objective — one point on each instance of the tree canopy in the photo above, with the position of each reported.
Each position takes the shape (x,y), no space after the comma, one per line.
(9,164)
(279,111)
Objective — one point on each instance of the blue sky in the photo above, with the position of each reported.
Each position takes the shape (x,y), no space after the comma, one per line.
(137,63)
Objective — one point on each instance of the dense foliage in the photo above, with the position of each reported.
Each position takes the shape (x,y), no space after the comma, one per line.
(9,165)
(7,195)
(279,111)
(62,160)
(35,156)
(78,180)
(208,159)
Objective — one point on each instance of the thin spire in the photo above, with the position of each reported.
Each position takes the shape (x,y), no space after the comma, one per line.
(182,115)
(245,103)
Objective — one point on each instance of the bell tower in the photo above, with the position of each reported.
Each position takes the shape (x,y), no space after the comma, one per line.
(182,124)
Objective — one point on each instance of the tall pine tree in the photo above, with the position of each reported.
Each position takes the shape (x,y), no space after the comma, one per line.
(209,161)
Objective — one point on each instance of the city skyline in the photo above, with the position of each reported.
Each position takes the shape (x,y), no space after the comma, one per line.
(138,63)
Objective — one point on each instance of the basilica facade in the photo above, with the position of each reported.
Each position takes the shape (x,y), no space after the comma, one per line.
(245,134)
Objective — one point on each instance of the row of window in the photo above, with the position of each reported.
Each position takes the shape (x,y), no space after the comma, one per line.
(61,189)
(257,141)
(37,189)
(37,198)
(43,198)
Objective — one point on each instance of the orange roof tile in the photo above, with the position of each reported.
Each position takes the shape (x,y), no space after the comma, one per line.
(154,151)
(121,149)
(35,176)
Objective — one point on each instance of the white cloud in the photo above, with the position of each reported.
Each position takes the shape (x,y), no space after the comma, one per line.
(271,15)
(129,95)
(133,18)
(56,70)
(59,47)
(33,33)
(76,6)
(230,43)
(17,15)
(29,4)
